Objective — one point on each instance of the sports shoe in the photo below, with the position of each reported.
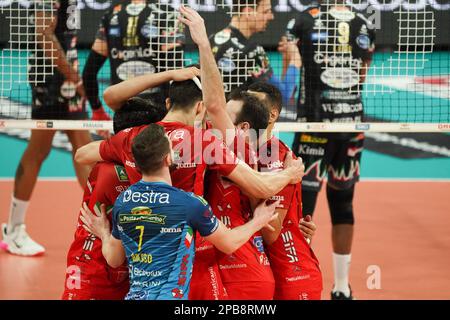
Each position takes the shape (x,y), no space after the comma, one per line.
(337,295)
(19,242)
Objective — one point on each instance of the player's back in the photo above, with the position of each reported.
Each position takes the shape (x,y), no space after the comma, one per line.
(190,148)
(290,255)
(156,223)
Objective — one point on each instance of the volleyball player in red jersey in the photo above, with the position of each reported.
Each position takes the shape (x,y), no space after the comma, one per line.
(298,275)
(189,175)
(88,276)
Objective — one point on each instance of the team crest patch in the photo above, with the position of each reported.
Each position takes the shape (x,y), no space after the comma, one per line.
(121,173)
(141,210)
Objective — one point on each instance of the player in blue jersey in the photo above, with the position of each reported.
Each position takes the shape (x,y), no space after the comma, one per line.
(154,225)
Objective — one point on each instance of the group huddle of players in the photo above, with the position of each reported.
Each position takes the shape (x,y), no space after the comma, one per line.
(236,93)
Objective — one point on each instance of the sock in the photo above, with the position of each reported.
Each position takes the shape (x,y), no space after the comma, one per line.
(341,263)
(17,213)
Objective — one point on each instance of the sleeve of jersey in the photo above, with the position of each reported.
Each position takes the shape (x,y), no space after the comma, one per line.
(293,29)
(115,220)
(102,32)
(219,157)
(111,149)
(202,218)
(286,85)
(285,196)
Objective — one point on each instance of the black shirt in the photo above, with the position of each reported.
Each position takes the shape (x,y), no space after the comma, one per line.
(41,70)
(239,59)
(135,34)
(333,44)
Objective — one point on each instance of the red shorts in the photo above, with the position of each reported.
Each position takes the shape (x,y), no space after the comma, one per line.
(293,293)
(252,290)
(206,283)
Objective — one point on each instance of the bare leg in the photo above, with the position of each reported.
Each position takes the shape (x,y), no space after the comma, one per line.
(36,152)
(79,138)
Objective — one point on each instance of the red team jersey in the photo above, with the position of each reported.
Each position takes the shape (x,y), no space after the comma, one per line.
(194,151)
(88,274)
(246,274)
(297,274)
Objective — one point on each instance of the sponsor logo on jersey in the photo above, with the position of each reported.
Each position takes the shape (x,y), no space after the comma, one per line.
(304,149)
(140,272)
(131,54)
(131,69)
(289,248)
(226,64)
(149,31)
(114,32)
(114,20)
(258,243)
(130,164)
(290,24)
(170,230)
(182,278)
(340,78)
(150,218)
(364,30)
(137,295)
(222,36)
(141,258)
(275,165)
(337,60)
(319,36)
(363,41)
(146,197)
(236,42)
(342,14)
(134,9)
(312,139)
(121,173)
(68,89)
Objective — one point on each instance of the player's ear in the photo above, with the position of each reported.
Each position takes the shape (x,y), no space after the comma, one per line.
(274,114)
(199,107)
(168,103)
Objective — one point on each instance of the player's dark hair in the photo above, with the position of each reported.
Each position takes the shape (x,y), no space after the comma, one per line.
(137,112)
(272,95)
(149,148)
(253,111)
(184,95)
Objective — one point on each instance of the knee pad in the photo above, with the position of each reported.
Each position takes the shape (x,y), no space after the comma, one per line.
(340,203)
(309,200)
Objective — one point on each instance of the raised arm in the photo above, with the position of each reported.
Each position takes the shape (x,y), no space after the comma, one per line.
(212,86)
(115,96)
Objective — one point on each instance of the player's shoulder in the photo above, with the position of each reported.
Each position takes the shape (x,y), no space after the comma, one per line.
(113,172)
(197,202)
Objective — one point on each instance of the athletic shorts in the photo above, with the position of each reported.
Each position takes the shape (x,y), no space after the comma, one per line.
(57,99)
(337,156)
(252,290)
(293,293)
